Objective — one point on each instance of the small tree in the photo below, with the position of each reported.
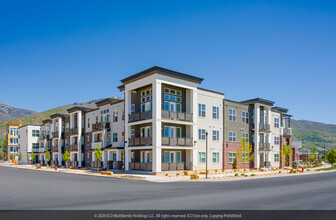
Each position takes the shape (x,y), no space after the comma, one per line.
(66,158)
(32,157)
(20,155)
(12,156)
(3,145)
(286,153)
(47,156)
(312,155)
(99,155)
(330,157)
(246,149)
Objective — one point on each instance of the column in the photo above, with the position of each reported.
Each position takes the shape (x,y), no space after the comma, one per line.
(256,135)
(60,156)
(194,128)
(127,105)
(79,138)
(156,148)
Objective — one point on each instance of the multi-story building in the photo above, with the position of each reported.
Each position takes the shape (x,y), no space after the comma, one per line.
(12,136)
(166,122)
(29,142)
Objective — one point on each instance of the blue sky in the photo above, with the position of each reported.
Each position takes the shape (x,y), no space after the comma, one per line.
(54,53)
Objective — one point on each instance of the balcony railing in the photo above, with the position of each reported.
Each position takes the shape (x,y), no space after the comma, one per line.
(176,116)
(55,149)
(143,141)
(74,147)
(97,126)
(265,146)
(55,134)
(287,132)
(140,166)
(73,131)
(107,125)
(172,166)
(264,127)
(265,164)
(169,141)
(139,116)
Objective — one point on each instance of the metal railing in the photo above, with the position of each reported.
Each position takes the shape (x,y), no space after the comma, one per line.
(73,131)
(176,116)
(265,146)
(97,126)
(170,141)
(139,116)
(287,131)
(140,166)
(143,141)
(265,127)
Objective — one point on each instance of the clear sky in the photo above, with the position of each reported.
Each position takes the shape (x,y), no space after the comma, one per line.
(54,53)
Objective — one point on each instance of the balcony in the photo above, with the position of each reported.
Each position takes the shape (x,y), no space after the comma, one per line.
(74,147)
(97,126)
(140,166)
(264,128)
(173,166)
(140,116)
(55,134)
(74,131)
(95,145)
(183,142)
(176,116)
(107,125)
(265,164)
(265,146)
(55,149)
(287,132)
(41,150)
(143,141)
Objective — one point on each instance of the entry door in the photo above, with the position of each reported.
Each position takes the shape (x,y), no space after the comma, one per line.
(75,157)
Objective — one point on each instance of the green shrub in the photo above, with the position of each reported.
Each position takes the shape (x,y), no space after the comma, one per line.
(252,174)
(242,174)
(236,174)
(234,165)
(177,174)
(246,175)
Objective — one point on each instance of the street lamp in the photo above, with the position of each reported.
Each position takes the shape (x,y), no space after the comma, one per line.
(206,154)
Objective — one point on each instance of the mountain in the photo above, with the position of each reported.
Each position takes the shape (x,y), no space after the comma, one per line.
(39,117)
(8,112)
(314,134)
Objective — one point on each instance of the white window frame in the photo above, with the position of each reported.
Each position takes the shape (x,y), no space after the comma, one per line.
(232,136)
(215,135)
(201,134)
(232,114)
(215,112)
(202,110)
(201,157)
(232,157)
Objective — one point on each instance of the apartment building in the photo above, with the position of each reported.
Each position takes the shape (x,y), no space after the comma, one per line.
(12,137)
(29,141)
(166,122)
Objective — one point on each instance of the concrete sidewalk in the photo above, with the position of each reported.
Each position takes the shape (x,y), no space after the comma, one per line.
(169,178)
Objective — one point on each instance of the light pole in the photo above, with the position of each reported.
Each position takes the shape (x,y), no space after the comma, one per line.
(206,154)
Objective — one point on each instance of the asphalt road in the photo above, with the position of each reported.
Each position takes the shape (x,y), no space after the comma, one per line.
(36,190)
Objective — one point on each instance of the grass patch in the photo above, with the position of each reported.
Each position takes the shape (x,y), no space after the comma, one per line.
(331,168)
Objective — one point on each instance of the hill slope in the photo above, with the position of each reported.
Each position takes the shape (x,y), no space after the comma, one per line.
(314,134)
(39,117)
(8,112)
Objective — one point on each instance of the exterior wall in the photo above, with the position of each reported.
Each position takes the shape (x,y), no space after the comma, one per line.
(210,100)
(12,148)
(275,132)
(237,126)
(26,141)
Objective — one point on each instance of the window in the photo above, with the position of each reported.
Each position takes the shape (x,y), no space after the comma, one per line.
(276,122)
(35,133)
(88,125)
(35,145)
(215,135)
(132,109)
(232,157)
(170,100)
(277,140)
(246,136)
(276,157)
(215,112)
(245,117)
(123,136)
(215,157)
(201,157)
(115,137)
(115,116)
(232,114)
(201,134)
(232,136)
(201,110)
(166,131)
